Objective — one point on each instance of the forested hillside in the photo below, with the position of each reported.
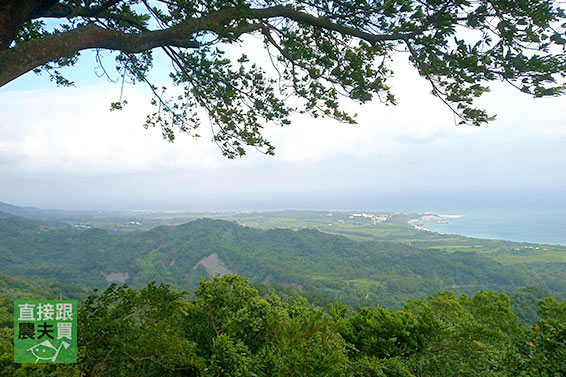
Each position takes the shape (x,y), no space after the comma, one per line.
(414,319)
(320,266)
(228,329)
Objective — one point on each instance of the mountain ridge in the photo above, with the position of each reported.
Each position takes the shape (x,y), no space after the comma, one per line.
(353,271)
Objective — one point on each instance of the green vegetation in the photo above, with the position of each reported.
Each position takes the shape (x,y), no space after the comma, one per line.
(33,287)
(321,266)
(372,307)
(366,226)
(228,329)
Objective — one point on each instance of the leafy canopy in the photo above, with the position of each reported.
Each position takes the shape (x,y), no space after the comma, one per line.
(320,49)
(228,329)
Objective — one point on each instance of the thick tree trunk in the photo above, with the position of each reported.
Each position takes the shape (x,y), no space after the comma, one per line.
(14,13)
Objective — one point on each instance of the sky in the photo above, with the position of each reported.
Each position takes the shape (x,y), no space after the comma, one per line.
(62,148)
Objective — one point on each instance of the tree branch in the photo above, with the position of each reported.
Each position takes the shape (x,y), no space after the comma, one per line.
(59,10)
(16,61)
(19,60)
(14,13)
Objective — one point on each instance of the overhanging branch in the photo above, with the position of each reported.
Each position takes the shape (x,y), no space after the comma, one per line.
(19,60)
(16,61)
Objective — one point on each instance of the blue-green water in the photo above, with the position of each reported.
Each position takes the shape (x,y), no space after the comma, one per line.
(537,226)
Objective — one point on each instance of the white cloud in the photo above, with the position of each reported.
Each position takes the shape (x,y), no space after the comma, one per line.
(72,131)
(71,135)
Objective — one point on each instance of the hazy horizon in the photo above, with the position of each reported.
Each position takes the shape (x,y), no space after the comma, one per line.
(317,201)
(62,148)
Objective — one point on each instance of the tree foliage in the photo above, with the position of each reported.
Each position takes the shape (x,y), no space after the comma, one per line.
(321,50)
(229,330)
(321,267)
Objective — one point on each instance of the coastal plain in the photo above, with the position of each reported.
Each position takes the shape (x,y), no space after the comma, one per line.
(358,257)
(404,227)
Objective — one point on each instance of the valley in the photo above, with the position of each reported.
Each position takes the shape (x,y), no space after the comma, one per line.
(360,258)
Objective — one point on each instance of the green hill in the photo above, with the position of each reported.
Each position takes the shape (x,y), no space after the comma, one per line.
(356,272)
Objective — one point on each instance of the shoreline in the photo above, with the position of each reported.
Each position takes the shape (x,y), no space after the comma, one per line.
(419,224)
(432,218)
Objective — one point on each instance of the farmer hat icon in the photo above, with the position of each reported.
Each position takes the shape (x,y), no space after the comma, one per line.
(41,350)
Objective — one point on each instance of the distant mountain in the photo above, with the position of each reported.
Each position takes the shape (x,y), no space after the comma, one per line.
(36,213)
(19,211)
(365,272)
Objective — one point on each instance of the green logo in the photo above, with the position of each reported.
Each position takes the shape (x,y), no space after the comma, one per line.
(45,331)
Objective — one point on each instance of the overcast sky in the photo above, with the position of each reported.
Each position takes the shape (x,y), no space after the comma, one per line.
(62,148)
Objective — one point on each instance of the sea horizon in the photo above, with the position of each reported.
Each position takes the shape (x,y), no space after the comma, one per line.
(542,226)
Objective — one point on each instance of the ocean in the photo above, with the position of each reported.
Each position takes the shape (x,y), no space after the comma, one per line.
(546,226)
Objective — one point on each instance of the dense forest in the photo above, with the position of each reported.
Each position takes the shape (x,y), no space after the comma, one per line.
(315,304)
(320,266)
(228,329)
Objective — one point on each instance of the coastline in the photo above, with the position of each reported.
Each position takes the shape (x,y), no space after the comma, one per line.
(431,218)
(542,228)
